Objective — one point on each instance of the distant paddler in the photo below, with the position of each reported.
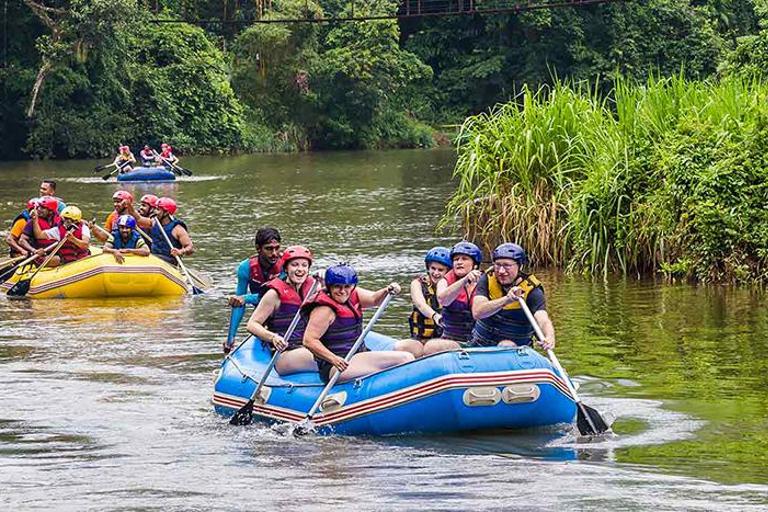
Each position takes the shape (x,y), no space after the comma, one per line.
(335,322)
(252,273)
(124,159)
(148,158)
(500,320)
(166,157)
(73,229)
(277,308)
(17,228)
(125,239)
(162,219)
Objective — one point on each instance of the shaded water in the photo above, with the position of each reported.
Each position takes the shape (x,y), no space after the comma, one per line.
(105,404)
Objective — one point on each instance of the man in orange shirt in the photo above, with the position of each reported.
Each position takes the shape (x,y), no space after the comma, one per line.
(122,199)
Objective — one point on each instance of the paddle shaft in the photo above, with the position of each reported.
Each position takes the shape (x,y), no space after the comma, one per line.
(44,263)
(14,268)
(556,362)
(117,169)
(286,337)
(11,261)
(349,356)
(173,165)
(178,258)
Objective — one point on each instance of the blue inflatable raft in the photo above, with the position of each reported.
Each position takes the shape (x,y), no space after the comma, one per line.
(147,174)
(463,390)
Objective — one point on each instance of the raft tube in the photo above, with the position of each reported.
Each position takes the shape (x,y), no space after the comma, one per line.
(99,275)
(147,174)
(463,390)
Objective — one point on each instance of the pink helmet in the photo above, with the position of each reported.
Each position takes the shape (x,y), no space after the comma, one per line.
(149,199)
(49,203)
(123,195)
(32,203)
(297,251)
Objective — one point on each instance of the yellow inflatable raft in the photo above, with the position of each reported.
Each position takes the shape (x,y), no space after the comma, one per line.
(99,275)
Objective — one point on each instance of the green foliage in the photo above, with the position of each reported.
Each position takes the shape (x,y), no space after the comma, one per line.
(670,175)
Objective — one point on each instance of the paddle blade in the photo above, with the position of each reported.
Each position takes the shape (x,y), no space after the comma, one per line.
(101,168)
(106,176)
(196,290)
(244,415)
(304,427)
(6,274)
(186,172)
(20,289)
(587,418)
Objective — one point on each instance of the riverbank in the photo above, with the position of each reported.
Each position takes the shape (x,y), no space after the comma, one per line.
(667,176)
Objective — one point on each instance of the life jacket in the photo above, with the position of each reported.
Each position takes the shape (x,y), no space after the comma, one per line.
(45,225)
(423,328)
(168,155)
(457,317)
(130,244)
(109,224)
(258,277)
(290,302)
(25,216)
(509,323)
(159,245)
(69,251)
(346,327)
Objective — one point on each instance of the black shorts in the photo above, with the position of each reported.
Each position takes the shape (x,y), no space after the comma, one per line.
(324,369)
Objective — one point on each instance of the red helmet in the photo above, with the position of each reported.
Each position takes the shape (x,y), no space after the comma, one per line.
(149,199)
(49,203)
(123,195)
(32,203)
(164,145)
(167,204)
(297,251)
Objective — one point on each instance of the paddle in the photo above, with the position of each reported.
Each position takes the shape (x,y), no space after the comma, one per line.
(10,261)
(244,416)
(588,420)
(99,168)
(119,168)
(21,288)
(306,425)
(175,167)
(194,289)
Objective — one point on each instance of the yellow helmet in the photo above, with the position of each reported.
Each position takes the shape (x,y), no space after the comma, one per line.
(72,213)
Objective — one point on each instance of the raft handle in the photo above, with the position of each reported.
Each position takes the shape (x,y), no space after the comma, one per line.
(481,396)
(333,402)
(520,393)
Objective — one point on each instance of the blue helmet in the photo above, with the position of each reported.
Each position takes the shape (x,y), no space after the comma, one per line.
(468,249)
(340,274)
(127,221)
(511,251)
(439,255)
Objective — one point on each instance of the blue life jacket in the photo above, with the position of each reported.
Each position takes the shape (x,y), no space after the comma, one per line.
(159,245)
(130,244)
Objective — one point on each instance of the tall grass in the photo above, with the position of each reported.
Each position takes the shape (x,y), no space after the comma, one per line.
(616,183)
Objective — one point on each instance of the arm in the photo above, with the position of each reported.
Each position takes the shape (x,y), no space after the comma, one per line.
(369,299)
(483,306)
(417,296)
(186,242)
(266,308)
(80,244)
(319,320)
(542,318)
(242,297)
(13,237)
(25,242)
(138,251)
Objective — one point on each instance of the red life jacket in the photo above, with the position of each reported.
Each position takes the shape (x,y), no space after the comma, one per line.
(290,302)
(346,327)
(458,321)
(46,225)
(257,274)
(69,251)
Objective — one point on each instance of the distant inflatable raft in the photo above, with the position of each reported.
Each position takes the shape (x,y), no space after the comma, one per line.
(99,275)
(464,390)
(147,174)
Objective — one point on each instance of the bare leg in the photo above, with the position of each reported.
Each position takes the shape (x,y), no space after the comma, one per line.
(440,345)
(296,361)
(415,347)
(507,343)
(372,362)
(55,262)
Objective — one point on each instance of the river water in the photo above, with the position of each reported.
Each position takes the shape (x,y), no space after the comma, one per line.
(105,404)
